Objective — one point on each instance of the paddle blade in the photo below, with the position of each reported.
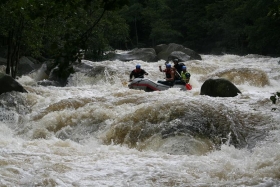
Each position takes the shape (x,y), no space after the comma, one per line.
(188,86)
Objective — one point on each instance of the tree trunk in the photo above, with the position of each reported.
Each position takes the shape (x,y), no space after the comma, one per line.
(14,42)
(9,57)
(16,61)
(136,33)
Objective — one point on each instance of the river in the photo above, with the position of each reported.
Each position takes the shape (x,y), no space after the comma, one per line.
(98,132)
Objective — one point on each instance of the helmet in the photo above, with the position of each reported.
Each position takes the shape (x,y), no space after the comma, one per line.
(175,60)
(184,67)
(168,65)
(138,66)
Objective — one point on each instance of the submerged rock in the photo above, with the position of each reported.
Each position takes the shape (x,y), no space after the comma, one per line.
(251,76)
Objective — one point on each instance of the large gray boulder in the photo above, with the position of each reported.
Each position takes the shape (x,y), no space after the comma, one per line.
(164,51)
(144,54)
(181,56)
(219,88)
(160,47)
(9,84)
(159,52)
(26,66)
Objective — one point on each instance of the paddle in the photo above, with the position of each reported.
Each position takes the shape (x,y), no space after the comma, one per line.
(188,86)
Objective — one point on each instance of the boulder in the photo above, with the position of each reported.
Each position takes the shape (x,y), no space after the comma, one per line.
(9,84)
(59,76)
(160,47)
(219,88)
(167,50)
(162,51)
(181,56)
(144,54)
(25,66)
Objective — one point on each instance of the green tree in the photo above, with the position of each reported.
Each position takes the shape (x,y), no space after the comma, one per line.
(19,26)
(58,30)
(132,13)
(244,26)
(156,16)
(263,32)
(188,17)
(112,31)
(227,27)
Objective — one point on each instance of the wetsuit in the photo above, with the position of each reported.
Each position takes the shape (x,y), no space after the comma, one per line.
(137,73)
(178,68)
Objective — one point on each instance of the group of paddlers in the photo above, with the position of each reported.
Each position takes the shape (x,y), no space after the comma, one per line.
(177,74)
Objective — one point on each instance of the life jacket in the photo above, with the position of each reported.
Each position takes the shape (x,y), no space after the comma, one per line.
(185,75)
(168,73)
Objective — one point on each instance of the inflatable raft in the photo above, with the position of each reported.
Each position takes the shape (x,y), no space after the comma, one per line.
(150,86)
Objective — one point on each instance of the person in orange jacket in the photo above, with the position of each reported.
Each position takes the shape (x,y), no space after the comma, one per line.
(169,75)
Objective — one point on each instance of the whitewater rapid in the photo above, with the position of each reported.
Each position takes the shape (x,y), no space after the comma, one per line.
(97,132)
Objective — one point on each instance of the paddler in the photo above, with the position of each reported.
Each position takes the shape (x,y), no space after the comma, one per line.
(137,73)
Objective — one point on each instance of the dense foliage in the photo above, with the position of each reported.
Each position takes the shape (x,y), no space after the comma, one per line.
(58,30)
(61,29)
(208,26)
